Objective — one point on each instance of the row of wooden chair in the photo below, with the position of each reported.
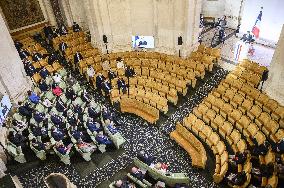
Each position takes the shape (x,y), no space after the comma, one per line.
(139,108)
(247,76)
(143,96)
(191,144)
(253,66)
(68,37)
(212,139)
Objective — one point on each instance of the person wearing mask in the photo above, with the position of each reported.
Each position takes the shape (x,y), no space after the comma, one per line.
(76,27)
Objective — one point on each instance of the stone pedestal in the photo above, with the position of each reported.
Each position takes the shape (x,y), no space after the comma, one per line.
(13,80)
(274,86)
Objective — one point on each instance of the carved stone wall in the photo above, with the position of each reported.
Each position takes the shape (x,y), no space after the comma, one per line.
(21,13)
(57,12)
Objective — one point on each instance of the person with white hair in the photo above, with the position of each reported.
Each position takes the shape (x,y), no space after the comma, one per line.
(57,78)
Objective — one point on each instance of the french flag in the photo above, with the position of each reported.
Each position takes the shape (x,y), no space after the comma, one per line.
(256,27)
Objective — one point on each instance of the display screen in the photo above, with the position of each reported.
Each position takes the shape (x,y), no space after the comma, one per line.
(143,42)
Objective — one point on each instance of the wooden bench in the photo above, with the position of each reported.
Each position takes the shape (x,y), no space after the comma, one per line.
(139,108)
(191,144)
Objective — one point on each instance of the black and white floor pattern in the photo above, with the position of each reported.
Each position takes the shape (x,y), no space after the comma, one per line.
(140,136)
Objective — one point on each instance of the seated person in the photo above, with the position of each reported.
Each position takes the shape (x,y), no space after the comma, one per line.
(37,56)
(39,117)
(18,45)
(46,103)
(142,156)
(266,170)
(123,184)
(93,125)
(77,57)
(106,87)
(85,147)
(56,78)
(24,54)
(102,139)
(30,69)
(56,119)
(261,149)
(163,167)
(38,145)
(76,133)
(70,94)
(52,58)
(280,146)
(137,173)
(43,86)
(70,80)
(56,90)
(25,110)
(76,27)
(85,96)
(61,148)
(160,184)
(106,114)
(238,158)
(129,72)
(57,134)
(43,72)
(112,129)
(91,72)
(237,179)
(17,139)
(19,126)
(62,47)
(34,98)
(71,118)
(60,106)
(93,113)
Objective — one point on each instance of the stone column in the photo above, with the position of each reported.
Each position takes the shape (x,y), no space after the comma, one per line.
(13,80)
(274,86)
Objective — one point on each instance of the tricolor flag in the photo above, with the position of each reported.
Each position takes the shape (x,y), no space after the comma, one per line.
(256,27)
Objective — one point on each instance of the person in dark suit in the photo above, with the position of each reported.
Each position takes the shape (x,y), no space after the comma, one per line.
(106,87)
(92,112)
(266,170)
(148,159)
(280,146)
(78,109)
(17,139)
(57,120)
(57,134)
(60,106)
(93,125)
(99,80)
(62,47)
(24,54)
(26,110)
(30,69)
(70,94)
(63,30)
(18,45)
(85,96)
(37,56)
(38,116)
(129,72)
(76,27)
(264,77)
(77,134)
(77,57)
(52,58)
(48,32)
(43,72)
(38,145)
(102,139)
(121,85)
(43,86)
(239,179)
(106,114)
(111,74)
(240,158)
(136,172)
